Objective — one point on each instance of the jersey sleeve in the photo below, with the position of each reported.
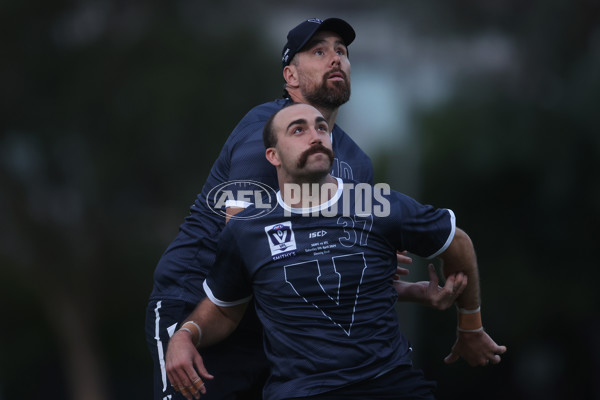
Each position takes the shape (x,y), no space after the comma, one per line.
(421,229)
(227,284)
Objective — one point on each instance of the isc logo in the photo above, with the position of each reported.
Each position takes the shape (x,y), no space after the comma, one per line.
(313,235)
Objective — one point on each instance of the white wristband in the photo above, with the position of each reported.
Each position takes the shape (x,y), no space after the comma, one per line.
(465,311)
(470,330)
(469,320)
(183,328)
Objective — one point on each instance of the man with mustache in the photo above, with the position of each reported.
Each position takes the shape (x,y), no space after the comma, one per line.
(317,148)
(327,302)
(316,70)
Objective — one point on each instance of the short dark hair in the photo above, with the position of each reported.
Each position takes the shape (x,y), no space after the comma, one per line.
(269,136)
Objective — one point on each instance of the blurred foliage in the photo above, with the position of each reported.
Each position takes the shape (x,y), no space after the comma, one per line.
(108,132)
(518,160)
(112,114)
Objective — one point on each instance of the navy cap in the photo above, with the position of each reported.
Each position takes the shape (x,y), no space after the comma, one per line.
(300,35)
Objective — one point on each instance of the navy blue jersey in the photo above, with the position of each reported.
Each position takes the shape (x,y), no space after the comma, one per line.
(187,260)
(322,283)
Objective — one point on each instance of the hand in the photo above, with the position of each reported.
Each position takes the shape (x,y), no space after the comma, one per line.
(443,297)
(476,348)
(182,361)
(402,258)
(429,292)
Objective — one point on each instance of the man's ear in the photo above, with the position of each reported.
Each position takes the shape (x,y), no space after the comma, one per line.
(290,74)
(272,156)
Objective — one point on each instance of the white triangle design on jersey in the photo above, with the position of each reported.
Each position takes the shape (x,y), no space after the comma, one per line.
(324,294)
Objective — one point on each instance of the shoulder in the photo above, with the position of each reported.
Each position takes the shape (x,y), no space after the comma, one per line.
(342,137)
(255,119)
(263,112)
(252,123)
(230,236)
(344,144)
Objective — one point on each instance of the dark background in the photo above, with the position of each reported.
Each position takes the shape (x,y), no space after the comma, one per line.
(112,113)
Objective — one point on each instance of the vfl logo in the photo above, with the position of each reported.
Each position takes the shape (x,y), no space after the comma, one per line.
(281,238)
(332,287)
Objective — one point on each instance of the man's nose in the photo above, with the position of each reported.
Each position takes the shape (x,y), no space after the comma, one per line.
(316,137)
(336,59)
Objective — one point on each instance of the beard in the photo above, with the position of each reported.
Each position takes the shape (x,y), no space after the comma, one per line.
(317,148)
(329,95)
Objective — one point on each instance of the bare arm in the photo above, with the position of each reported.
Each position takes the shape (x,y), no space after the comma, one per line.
(216,322)
(206,325)
(472,344)
(183,363)
(460,257)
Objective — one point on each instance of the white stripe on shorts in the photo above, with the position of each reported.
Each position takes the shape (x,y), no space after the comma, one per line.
(159,345)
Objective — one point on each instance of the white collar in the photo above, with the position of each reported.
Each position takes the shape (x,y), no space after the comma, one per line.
(323,206)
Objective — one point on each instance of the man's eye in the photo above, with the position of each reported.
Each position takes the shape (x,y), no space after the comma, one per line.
(319,52)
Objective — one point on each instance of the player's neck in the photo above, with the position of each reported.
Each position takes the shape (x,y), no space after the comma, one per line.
(330,116)
(299,193)
(329,113)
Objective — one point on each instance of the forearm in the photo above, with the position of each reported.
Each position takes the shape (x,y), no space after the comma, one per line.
(410,292)
(209,323)
(472,344)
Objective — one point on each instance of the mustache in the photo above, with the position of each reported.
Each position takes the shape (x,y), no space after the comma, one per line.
(317,148)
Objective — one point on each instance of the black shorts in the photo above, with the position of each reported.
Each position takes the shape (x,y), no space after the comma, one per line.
(401,383)
(238,363)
